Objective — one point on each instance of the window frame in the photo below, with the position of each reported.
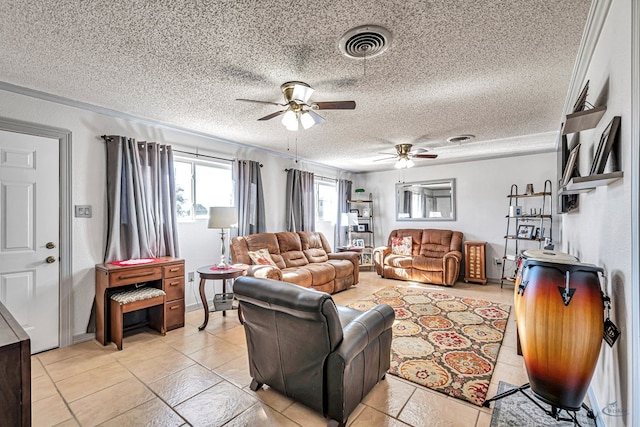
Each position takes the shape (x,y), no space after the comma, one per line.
(194,162)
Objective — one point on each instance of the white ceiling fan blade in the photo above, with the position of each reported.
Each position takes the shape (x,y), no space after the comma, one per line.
(301,93)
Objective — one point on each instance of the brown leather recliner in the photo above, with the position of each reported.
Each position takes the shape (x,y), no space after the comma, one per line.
(300,343)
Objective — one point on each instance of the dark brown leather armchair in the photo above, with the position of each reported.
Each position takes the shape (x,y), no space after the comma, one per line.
(300,343)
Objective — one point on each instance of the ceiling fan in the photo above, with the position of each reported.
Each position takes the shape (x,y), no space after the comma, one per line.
(404,155)
(298,108)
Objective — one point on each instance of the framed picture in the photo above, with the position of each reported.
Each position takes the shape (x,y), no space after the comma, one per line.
(366,212)
(582,98)
(525,231)
(604,147)
(365,258)
(537,234)
(355,211)
(359,243)
(362,227)
(571,164)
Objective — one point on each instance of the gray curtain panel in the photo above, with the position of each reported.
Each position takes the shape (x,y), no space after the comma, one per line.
(301,206)
(344,194)
(249,197)
(141,196)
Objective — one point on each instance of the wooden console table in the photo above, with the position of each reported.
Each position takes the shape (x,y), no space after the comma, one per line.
(166,273)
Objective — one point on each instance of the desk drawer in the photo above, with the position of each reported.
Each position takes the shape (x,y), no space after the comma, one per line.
(174,314)
(175,270)
(131,276)
(174,288)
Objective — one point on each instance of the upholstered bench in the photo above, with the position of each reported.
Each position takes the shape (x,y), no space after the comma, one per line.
(133,300)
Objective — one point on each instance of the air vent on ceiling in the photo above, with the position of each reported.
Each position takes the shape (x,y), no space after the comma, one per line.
(460,139)
(366,41)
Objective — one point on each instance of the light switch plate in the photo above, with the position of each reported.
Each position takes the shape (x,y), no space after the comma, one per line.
(83,211)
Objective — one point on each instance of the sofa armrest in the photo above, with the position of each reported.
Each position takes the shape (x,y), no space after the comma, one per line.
(264,272)
(379,254)
(451,267)
(354,257)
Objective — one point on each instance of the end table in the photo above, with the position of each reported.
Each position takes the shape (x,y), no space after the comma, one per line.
(212,272)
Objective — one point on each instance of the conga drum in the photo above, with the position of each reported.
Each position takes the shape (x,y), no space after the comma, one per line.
(541,255)
(560,325)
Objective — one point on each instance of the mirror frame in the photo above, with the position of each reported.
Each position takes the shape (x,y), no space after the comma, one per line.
(403,185)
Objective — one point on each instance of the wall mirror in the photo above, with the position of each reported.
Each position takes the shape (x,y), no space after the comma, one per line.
(426,200)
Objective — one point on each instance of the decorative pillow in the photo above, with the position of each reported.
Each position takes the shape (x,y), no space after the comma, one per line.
(401,245)
(261,257)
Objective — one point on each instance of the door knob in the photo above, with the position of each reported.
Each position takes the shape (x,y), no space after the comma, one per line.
(50,260)
(50,245)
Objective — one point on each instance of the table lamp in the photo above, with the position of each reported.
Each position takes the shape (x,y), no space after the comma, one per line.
(349,219)
(222,217)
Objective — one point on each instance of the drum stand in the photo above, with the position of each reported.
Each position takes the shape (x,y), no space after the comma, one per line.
(555,412)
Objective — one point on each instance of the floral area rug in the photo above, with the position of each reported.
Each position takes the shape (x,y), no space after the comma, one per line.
(446,343)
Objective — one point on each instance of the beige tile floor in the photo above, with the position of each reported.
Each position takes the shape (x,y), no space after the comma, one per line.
(201,378)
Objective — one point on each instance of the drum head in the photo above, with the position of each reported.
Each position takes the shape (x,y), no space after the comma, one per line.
(550,256)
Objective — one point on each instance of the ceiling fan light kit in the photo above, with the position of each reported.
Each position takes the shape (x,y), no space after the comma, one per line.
(404,163)
(299,110)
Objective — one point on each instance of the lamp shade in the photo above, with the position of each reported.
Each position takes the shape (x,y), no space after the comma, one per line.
(348,219)
(222,217)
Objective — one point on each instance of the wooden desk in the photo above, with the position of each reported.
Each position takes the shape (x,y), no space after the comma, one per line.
(206,273)
(167,273)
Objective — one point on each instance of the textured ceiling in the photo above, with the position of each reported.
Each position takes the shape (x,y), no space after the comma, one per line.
(499,70)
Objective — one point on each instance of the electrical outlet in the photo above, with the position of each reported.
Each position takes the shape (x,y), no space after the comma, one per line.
(497,261)
(190,276)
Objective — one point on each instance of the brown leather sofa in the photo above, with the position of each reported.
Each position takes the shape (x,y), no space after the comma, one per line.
(303,258)
(300,343)
(435,257)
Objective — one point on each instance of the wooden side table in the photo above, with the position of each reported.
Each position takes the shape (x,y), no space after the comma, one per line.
(211,272)
(474,269)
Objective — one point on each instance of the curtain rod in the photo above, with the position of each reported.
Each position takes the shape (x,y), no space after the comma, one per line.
(106,138)
(203,155)
(317,176)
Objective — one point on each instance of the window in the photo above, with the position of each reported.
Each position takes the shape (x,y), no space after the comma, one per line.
(326,207)
(326,201)
(199,185)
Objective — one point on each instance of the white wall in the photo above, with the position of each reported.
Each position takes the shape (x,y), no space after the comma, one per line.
(198,245)
(599,232)
(481,201)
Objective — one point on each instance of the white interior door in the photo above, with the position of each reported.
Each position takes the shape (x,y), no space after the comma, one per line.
(29,235)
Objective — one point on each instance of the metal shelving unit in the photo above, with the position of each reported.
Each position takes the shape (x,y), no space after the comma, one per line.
(513,241)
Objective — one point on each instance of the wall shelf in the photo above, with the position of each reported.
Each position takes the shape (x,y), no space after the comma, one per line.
(583,120)
(523,196)
(585,184)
